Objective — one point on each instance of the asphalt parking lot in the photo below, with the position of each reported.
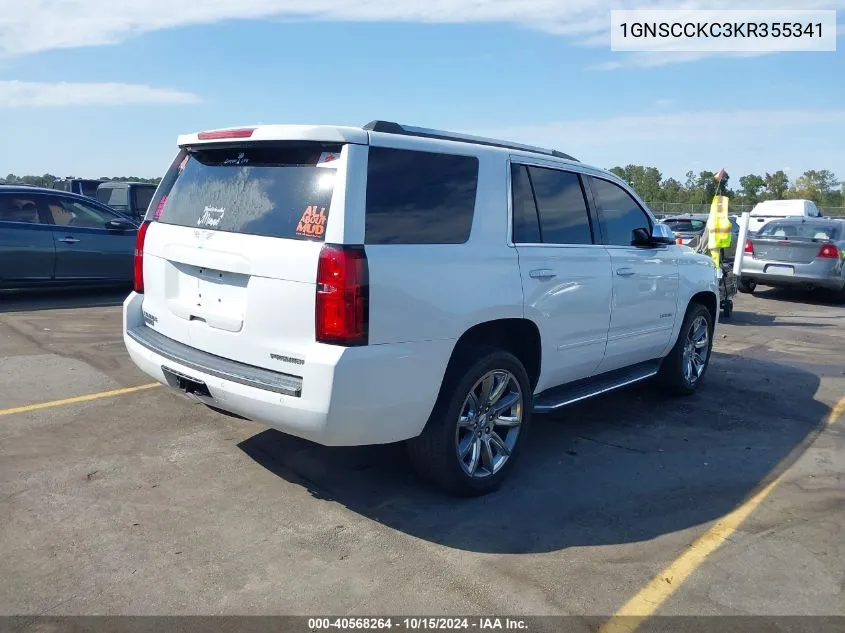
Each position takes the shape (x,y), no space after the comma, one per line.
(142,502)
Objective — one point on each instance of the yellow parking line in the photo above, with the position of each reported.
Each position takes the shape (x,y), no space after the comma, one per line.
(655,593)
(76,399)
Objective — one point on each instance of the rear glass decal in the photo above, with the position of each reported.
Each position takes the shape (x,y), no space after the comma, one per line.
(211,216)
(240,160)
(327,158)
(312,223)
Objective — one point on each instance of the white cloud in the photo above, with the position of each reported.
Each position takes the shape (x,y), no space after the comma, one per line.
(654,60)
(24,94)
(30,27)
(765,137)
(680,127)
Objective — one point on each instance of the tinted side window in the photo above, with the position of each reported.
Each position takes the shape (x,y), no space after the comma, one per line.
(526,224)
(419,197)
(89,188)
(564,218)
(116,197)
(74,214)
(142,197)
(20,208)
(619,213)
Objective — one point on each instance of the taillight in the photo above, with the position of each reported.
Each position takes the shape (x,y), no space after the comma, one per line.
(828,251)
(223,134)
(341,313)
(749,248)
(139,257)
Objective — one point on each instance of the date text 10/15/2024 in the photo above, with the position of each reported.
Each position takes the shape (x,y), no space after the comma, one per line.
(417,624)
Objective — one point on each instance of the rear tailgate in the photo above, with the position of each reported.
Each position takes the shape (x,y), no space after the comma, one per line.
(792,241)
(786,251)
(230,258)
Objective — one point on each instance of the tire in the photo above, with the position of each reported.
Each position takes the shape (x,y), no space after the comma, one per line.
(745,285)
(674,374)
(435,453)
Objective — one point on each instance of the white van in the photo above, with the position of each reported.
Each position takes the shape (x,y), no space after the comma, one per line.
(772,209)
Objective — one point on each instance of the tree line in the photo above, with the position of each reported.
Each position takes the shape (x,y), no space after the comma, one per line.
(47,180)
(820,186)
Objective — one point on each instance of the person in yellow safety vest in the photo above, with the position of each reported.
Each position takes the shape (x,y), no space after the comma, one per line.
(718,224)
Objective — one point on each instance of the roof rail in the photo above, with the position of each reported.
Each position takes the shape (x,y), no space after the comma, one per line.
(389,127)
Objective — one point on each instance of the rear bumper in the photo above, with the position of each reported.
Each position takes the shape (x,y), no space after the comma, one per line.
(819,273)
(356,396)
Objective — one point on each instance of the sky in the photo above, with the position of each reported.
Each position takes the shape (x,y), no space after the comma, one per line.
(93,88)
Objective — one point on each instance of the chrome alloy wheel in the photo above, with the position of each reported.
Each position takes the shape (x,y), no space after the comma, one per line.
(696,350)
(489,424)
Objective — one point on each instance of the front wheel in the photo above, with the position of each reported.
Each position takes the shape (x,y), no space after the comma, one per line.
(683,370)
(478,424)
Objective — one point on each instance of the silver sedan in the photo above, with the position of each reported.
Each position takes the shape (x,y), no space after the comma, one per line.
(796,253)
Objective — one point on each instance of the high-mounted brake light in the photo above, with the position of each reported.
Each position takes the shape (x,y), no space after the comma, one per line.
(342,310)
(828,251)
(749,247)
(138,260)
(223,134)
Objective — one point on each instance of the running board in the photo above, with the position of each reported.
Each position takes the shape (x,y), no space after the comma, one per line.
(564,395)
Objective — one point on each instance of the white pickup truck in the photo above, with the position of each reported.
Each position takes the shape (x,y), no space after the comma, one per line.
(385,283)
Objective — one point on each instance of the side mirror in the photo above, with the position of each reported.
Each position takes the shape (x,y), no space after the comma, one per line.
(119,225)
(661,235)
(640,237)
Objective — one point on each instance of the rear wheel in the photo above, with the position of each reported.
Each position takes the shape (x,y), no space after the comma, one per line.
(748,286)
(683,369)
(477,426)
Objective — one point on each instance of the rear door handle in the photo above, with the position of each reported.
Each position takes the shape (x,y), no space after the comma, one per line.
(624,272)
(542,273)
(69,240)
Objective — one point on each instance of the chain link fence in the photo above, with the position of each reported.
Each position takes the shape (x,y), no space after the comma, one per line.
(665,209)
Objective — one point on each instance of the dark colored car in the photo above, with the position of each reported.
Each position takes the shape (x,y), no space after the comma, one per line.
(128,198)
(53,238)
(690,229)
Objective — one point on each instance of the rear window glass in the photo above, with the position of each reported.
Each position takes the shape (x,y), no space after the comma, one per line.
(89,187)
(418,197)
(113,196)
(143,195)
(686,225)
(275,190)
(800,231)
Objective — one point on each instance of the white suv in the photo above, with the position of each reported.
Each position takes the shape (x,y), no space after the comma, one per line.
(386,283)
